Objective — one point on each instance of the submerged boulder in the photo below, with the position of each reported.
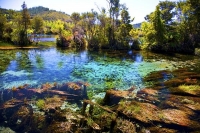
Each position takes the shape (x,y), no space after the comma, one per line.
(113,97)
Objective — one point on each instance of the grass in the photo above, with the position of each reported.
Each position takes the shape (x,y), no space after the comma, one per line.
(48,44)
(5,45)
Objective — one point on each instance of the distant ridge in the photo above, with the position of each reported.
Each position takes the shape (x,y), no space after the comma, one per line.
(43,12)
(48,14)
(138,25)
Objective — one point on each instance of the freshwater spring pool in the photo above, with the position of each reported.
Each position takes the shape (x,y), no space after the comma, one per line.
(102,70)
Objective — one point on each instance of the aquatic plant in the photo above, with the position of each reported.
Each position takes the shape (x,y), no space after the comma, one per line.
(55,84)
(126,126)
(46,86)
(92,124)
(40,103)
(189,87)
(90,121)
(90,94)
(74,86)
(187,101)
(14,89)
(192,89)
(161,115)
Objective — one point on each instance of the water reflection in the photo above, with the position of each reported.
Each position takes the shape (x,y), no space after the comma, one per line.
(43,38)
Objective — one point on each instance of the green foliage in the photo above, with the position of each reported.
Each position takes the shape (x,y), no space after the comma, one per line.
(165,33)
(64,39)
(162,32)
(40,103)
(158,26)
(48,15)
(54,15)
(2,25)
(6,44)
(38,24)
(90,94)
(75,17)
(90,122)
(167,11)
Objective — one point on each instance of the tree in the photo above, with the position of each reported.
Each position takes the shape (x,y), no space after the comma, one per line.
(123,36)
(154,31)
(158,26)
(38,24)
(194,21)
(75,18)
(114,7)
(25,22)
(2,24)
(167,11)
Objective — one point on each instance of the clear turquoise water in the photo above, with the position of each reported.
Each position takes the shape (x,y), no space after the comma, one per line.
(103,70)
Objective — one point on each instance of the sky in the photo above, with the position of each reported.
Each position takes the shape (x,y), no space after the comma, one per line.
(138,9)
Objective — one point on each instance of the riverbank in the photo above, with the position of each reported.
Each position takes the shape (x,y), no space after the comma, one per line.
(7,46)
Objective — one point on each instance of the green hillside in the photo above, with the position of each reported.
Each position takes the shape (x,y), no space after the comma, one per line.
(47,14)
(43,12)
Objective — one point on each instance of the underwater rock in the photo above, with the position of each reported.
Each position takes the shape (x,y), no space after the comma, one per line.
(8,109)
(177,117)
(160,129)
(144,112)
(61,127)
(51,103)
(113,97)
(154,76)
(18,121)
(148,95)
(6,130)
(181,118)
(78,90)
(73,91)
(188,104)
(186,90)
(173,82)
(125,126)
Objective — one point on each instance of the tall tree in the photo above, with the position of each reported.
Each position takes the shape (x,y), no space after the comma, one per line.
(114,8)
(2,24)
(75,17)
(25,23)
(124,28)
(167,11)
(158,26)
(38,24)
(194,21)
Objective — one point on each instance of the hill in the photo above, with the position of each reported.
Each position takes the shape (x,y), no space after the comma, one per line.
(47,14)
(138,25)
(43,12)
